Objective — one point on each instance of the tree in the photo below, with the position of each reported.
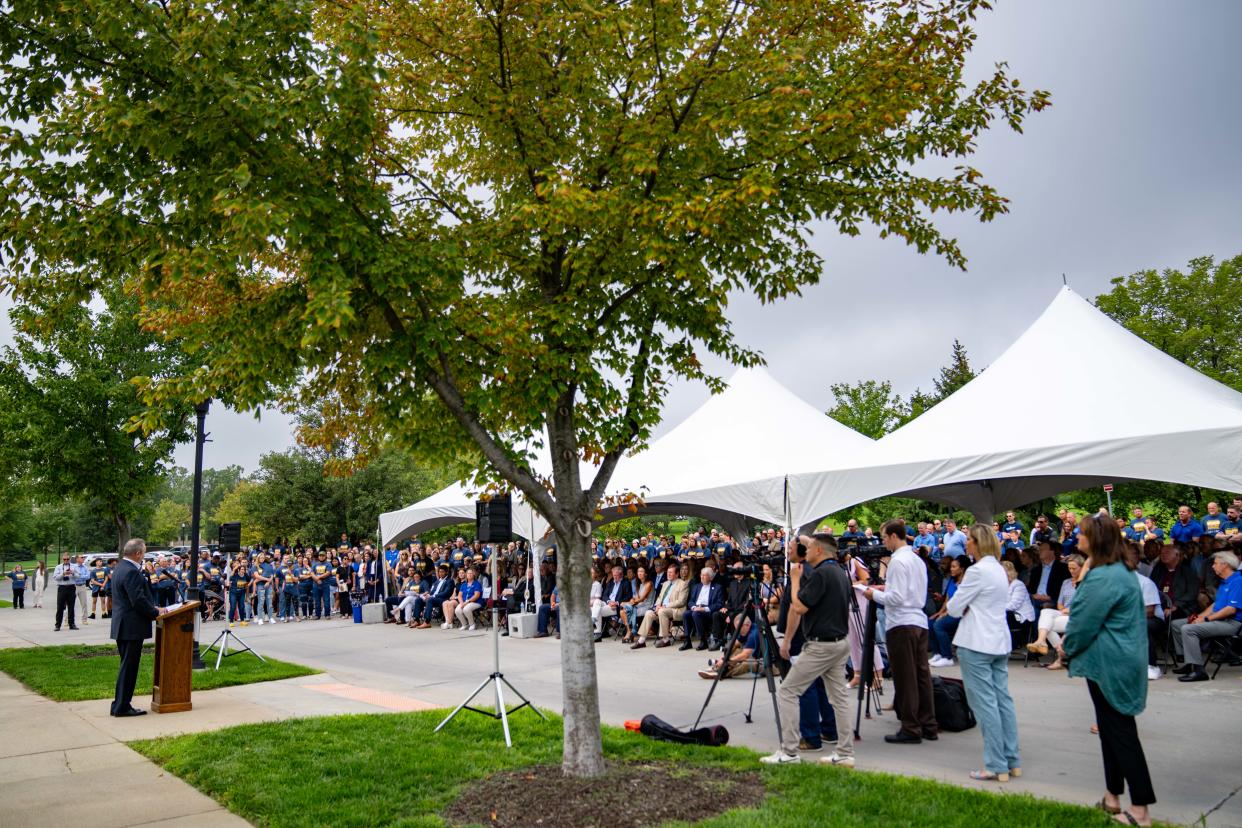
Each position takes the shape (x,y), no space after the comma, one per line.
(869,407)
(952,377)
(68,403)
(170,520)
(1191,315)
(234,507)
(473,228)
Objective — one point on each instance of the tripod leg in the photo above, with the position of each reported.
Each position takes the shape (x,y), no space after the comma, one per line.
(525,700)
(504,713)
(224,644)
(459,707)
(724,666)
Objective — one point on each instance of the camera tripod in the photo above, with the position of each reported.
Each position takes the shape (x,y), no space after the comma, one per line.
(767,646)
(866,670)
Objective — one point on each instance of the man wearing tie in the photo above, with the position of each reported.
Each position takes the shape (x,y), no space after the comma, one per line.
(133,610)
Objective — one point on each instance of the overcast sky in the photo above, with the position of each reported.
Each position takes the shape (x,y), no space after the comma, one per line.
(1137,164)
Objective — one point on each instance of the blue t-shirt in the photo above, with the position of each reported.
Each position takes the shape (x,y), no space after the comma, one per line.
(1212,523)
(98,575)
(267,570)
(305,585)
(239,580)
(955,543)
(1136,529)
(18,579)
(1185,532)
(1015,526)
(1229,594)
(1231,527)
(470,591)
(288,576)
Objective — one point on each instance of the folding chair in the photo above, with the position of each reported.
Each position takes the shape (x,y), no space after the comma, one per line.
(1225,650)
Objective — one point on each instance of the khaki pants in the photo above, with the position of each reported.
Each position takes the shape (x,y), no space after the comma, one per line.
(665,616)
(818,659)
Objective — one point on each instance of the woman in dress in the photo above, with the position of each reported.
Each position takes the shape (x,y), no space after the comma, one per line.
(40,583)
(858,573)
(633,610)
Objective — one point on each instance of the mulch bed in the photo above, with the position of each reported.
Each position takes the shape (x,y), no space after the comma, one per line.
(622,798)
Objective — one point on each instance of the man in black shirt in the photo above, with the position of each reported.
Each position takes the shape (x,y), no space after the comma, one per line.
(822,597)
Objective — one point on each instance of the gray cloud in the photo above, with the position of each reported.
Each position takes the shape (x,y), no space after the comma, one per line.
(1134,166)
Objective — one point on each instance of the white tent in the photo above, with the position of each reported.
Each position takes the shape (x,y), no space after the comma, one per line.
(1076,401)
(725,462)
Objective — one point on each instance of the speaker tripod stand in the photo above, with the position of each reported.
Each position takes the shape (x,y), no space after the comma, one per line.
(496,679)
(221,642)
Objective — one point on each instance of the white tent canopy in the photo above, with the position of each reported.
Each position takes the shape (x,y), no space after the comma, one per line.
(1076,401)
(725,462)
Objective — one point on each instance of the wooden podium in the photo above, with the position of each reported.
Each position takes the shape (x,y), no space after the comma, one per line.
(174,652)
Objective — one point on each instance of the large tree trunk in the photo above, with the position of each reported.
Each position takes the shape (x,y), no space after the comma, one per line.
(583,752)
(122,531)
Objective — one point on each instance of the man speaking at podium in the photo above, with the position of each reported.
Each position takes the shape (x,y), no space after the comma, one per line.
(132,614)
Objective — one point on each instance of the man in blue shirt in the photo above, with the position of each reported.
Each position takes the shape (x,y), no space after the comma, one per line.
(1222,621)
(1185,529)
(954,540)
(1211,522)
(1011,524)
(1137,527)
(926,540)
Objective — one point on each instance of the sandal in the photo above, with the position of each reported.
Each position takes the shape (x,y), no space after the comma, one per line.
(1129,819)
(1056,665)
(1106,808)
(988,776)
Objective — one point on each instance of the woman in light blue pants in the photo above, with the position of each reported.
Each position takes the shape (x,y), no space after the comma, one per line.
(983,646)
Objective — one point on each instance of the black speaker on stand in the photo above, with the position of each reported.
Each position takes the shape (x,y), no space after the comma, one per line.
(493,520)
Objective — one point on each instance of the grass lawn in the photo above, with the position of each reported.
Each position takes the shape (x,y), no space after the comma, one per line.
(4,603)
(77,672)
(392,770)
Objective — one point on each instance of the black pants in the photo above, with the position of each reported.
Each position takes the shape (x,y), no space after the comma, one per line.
(1155,632)
(127,676)
(66,598)
(1123,753)
(19,599)
(912,687)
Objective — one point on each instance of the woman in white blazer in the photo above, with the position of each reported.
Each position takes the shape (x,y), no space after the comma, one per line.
(983,646)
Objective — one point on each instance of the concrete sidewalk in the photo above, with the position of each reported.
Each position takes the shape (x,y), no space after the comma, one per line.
(1188,731)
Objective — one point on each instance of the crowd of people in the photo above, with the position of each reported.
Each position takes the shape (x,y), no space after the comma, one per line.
(696,589)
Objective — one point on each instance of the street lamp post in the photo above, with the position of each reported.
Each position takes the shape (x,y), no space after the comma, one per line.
(192,593)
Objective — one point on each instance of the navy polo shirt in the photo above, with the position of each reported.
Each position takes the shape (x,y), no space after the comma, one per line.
(1185,532)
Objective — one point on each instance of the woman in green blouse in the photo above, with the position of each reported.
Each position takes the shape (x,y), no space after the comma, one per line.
(1105,643)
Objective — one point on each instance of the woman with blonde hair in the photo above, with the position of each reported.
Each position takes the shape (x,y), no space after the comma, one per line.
(983,645)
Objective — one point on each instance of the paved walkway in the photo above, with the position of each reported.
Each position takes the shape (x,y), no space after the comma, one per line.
(1189,731)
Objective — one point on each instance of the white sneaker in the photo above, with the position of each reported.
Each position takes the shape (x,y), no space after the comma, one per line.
(940,661)
(781,758)
(446,626)
(259,622)
(838,760)
(1154,673)
(471,627)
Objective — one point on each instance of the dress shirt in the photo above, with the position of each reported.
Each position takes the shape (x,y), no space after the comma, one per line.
(905,593)
(984,591)
(705,596)
(64,575)
(955,543)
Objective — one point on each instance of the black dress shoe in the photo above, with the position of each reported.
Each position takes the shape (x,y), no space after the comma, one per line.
(1185,669)
(133,711)
(902,738)
(599,637)
(685,646)
(714,645)
(1197,675)
(930,736)
(72,627)
(702,645)
(663,643)
(56,629)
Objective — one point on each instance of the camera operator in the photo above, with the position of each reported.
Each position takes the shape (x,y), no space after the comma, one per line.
(903,598)
(822,598)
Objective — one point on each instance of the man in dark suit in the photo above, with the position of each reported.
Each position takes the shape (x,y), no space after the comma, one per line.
(706,601)
(132,613)
(1043,582)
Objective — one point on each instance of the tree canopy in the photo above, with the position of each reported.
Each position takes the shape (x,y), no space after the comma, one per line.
(67,406)
(1192,314)
(474,227)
